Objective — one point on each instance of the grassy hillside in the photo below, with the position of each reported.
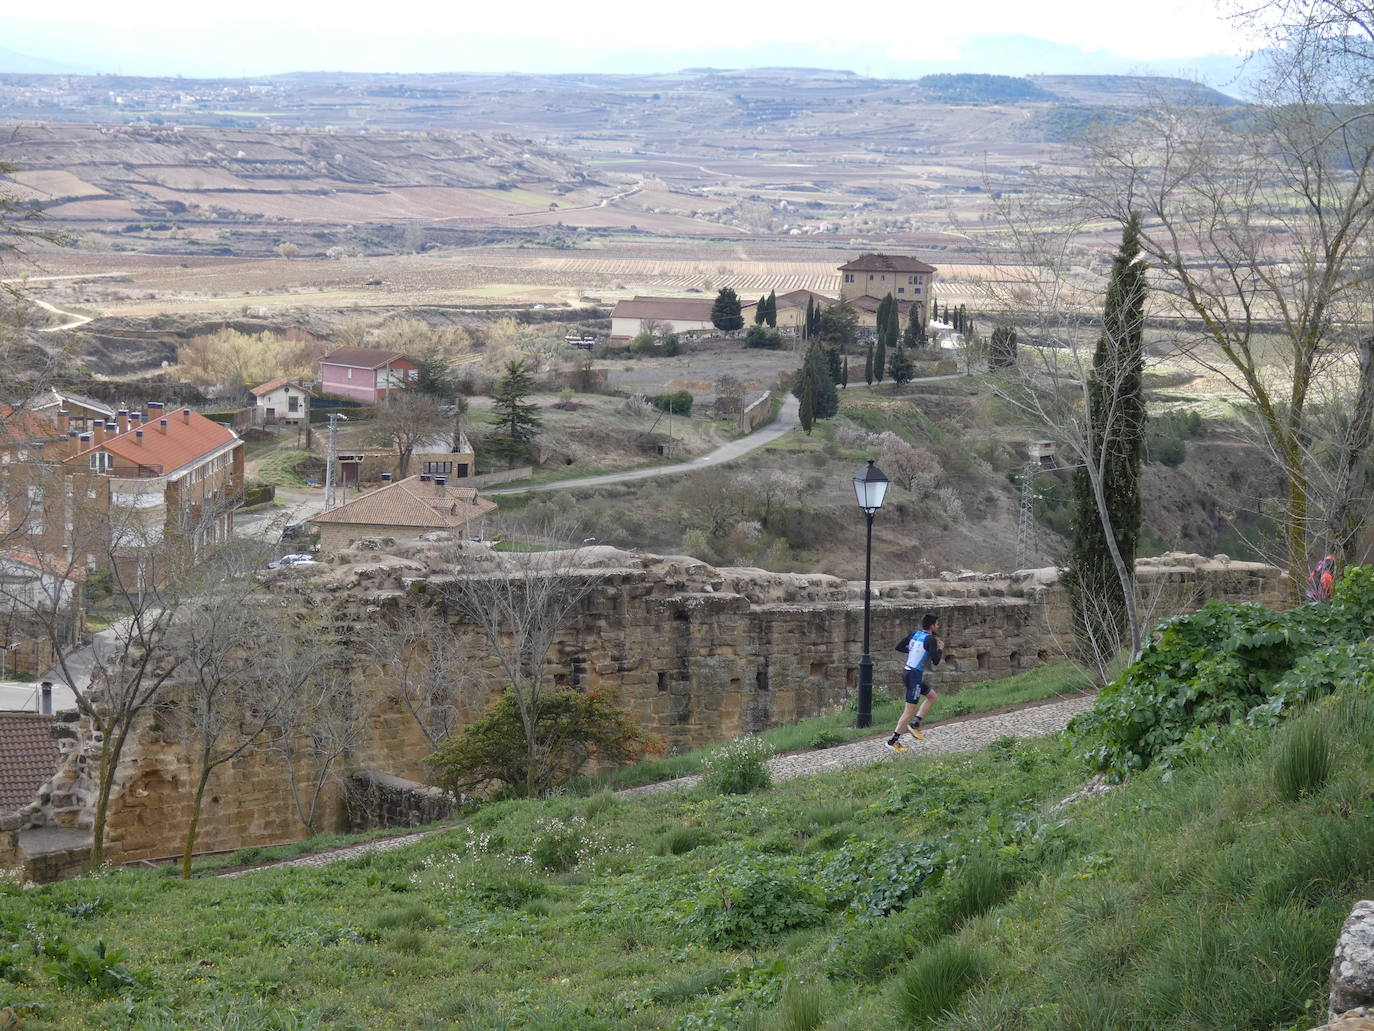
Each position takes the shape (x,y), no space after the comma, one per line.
(914,894)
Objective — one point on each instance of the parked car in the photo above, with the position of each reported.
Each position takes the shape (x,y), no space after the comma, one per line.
(288,561)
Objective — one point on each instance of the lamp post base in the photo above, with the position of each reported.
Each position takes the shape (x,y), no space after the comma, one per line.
(865,718)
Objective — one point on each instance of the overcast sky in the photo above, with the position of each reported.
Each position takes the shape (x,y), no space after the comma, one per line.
(258,37)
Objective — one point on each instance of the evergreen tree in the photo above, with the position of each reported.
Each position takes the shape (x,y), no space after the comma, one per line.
(899,365)
(827,397)
(516,419)
(1116,424)
(838,325)
(810,316)
(886,310)
(868,366)
(725,313)
(844,372)
(771,314)
(760,312)
(963,320)
(880,359)
(911,336)
(889,334)
(806,389)
(1002,352)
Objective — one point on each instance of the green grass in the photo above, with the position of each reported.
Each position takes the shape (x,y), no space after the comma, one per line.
(931,893)
(279,469)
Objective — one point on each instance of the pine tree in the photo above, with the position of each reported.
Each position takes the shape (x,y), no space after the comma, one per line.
(868,366)
(1116,409)
(899,366)
(517,421)
(760,312)
(771,314)
(725,313)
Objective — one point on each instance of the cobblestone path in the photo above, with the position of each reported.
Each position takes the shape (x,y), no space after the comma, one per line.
(967,735)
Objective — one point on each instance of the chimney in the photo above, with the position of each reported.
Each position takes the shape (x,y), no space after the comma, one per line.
(135,419)
(439,483)
(123,416)
(85,440)
(162,425)
(138,436)
(45,698)
(154,407)
(424,477)
(64,421)
(99,435)
(186,415)
(73,434)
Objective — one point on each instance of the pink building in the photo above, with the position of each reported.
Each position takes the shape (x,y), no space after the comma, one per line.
(365,374)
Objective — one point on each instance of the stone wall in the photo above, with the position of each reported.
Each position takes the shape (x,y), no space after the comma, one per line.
(697,654)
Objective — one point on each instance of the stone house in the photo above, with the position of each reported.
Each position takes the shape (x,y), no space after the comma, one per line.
(865,281)
(406,510)
(281,402)
(365,374)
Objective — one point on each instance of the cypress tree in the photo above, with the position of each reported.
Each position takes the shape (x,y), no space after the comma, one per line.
(760,312)
(911,337)
(806,385)
(771,314)
(868,366)
(1116,425)
(810,315)
(844,372)
(880,359)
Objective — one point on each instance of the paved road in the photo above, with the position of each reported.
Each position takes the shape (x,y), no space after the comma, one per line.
(299,505)
(786,422)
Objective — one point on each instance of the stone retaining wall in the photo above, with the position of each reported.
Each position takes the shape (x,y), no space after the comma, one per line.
(696,654)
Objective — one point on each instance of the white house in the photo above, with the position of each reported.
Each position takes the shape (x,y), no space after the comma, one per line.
(667,315)
(281,401)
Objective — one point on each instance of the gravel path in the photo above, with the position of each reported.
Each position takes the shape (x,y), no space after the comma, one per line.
(942,739)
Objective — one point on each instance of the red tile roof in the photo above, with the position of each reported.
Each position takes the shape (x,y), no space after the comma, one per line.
(189,437)
(25,424)
(45,564)
(276,384)
(411,504)
(886,263)
(364,358)
(28,757)
(798,299)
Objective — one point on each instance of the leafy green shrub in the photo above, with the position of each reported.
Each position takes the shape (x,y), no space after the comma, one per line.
(563,845)
(1166,436)
(681,840)
(672,347)
(763,337)
(875,877)
(936,980)
(677,403)
(1303,763)
(569,730)
(752,901)
(825,739)
(737,767)
(97,967)
(1224,664)
(642,342)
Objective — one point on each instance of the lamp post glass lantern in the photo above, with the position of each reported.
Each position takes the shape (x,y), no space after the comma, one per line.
(870,487)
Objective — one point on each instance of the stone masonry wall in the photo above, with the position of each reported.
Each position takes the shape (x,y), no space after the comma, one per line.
(696,654)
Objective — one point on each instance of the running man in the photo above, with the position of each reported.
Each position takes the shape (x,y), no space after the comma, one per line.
(920,646)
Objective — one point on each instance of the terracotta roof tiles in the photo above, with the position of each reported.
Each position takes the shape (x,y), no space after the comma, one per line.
(887,263)
(189,436)
(411,504)
(28,757)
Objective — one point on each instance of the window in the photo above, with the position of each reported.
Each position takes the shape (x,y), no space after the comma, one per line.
(438,468)
(901,289)
(293,403)
(849,277)
(100,461)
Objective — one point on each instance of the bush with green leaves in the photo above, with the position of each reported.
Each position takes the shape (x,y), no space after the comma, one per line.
(753,900)
(570,729)
(96,967)
(737,767)
(763,337)
(679,402)
(1228,665)
(642,342)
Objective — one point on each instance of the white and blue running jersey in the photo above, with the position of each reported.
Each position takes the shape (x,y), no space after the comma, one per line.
(916,653)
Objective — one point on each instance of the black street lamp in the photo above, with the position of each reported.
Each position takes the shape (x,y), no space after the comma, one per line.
(870,486)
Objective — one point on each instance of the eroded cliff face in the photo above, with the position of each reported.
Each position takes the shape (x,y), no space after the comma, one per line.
(697,654)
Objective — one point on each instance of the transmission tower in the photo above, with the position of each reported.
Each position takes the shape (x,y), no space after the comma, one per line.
(1025,527)
(332,459)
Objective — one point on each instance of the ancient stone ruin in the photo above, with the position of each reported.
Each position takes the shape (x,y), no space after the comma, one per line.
(697,654)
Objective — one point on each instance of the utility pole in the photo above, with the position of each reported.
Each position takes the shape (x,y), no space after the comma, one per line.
(1025,529)
(332,459)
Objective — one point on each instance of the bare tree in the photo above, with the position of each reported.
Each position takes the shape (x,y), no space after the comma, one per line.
(521,603)
(423,663)
(405,421)
(1259,229)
